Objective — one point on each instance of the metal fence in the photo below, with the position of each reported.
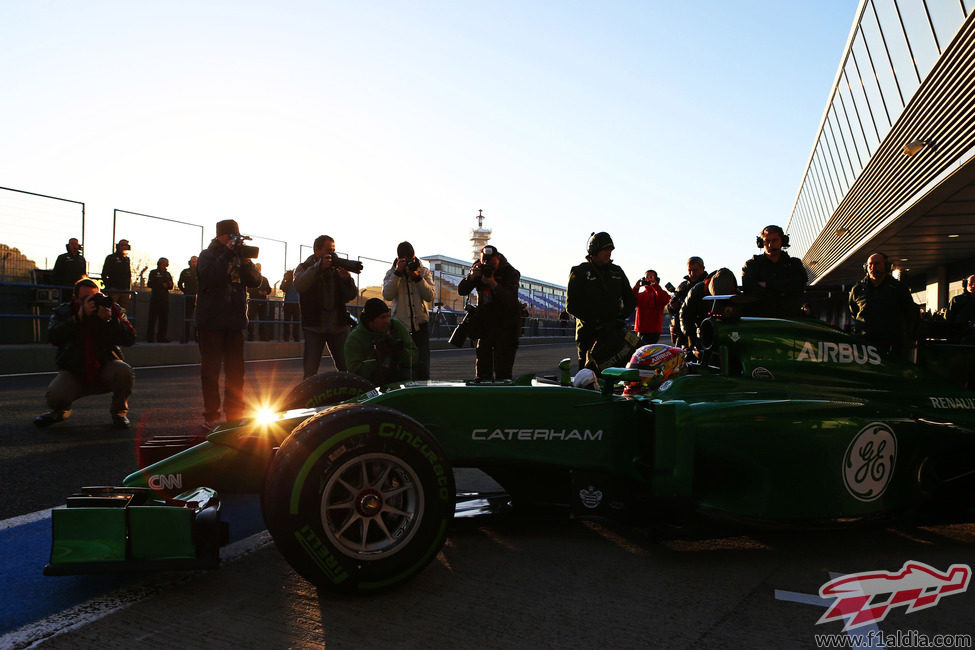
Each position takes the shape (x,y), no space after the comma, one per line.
(157,237)
(34,229)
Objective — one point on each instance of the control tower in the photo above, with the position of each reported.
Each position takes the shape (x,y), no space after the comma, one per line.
(479,235)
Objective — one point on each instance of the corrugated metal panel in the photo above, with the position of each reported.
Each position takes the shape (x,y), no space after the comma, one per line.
(942,111)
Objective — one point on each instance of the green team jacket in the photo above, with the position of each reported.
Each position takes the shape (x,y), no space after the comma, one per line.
(597,296)
(360,352)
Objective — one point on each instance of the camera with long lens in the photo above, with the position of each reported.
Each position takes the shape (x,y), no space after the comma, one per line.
(413,265)
(487,271)
(242,250)
(353,266)
(468,328)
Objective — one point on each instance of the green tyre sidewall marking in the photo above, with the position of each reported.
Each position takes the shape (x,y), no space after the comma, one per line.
(296,525)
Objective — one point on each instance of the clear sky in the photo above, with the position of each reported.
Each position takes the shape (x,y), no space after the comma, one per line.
(681,128)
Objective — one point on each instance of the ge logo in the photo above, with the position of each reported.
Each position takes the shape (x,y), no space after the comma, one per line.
(869,461)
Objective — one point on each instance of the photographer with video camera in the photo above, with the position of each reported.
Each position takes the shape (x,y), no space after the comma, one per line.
(89,333)
(324,286)
(498,314)
(409,285)
(224,270)
(380,348)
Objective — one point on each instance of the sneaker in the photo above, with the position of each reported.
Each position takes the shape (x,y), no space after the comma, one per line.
(45,420)
(120,421)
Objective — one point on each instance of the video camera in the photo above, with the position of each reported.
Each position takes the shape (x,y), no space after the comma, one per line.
(241,249)
(469,327)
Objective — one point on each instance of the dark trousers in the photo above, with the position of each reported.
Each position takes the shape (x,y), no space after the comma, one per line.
(494,359)
(649,338)
(158,315)
(257,314)
(189,327)
(421,370)
(315,343)
(292,321)
(222,348)
(115,377)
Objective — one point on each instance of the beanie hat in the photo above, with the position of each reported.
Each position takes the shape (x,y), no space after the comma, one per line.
(404,250)
(374,307)
(227,227)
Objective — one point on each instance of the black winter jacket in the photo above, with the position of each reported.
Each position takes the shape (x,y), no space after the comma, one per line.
(224,278)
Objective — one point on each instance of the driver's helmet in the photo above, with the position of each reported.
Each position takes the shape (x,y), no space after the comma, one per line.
(656,363)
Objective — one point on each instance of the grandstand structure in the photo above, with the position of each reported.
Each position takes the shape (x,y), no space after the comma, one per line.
(542,299)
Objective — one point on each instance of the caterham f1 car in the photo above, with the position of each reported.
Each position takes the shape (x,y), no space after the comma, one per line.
(782,423)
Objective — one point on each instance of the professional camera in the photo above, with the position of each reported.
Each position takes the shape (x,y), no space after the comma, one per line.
(388,350)
(353,266)
(670,287)
(243,250)
(469,327)
(487,271)
(101,300)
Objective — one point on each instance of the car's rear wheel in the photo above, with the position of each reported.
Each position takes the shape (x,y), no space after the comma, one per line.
(326,388)
(358,498)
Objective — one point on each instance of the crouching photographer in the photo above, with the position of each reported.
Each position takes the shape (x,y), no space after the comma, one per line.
(379,348)
(89,332)
(498,313)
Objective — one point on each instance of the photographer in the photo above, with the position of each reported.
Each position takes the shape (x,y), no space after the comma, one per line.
(88,332)
(651,301)
(380,349)
(224,271)
(324,287)
(409,285)
(498,313)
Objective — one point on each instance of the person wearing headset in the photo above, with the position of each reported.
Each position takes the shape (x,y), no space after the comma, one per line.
(774,278)
(883,310)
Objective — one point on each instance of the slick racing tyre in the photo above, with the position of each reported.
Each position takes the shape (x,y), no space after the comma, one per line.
(358,498)
(326,388)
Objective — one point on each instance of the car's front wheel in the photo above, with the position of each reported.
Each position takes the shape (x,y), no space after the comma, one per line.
(358,498)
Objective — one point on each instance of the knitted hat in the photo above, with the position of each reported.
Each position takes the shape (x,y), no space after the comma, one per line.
(374,307)
(227,227)
(405,250)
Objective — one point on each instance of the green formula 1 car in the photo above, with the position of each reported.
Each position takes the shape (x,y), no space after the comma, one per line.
(785,423)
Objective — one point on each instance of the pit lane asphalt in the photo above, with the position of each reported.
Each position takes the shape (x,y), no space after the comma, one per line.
(500,582)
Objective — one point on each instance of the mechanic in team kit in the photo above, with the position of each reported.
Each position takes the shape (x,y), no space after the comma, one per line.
(224,271)
(160,283)
(323,290)
(883,310)
(693,312)
(380,348)
(69,267)
(409,285)
(599,295)
(498,313)
(774,278)
(695,273)
(190,286)
(961,311)
(117,274)
(89,333)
